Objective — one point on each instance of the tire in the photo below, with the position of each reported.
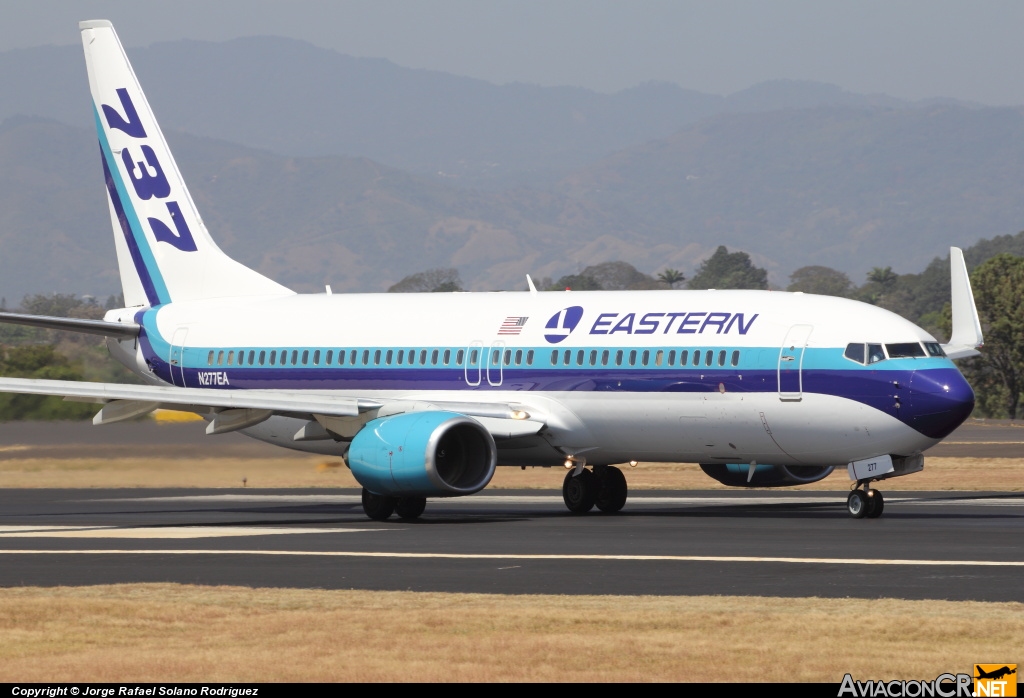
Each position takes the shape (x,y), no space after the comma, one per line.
(857,504)
(613,491)
(580,492)
(409,508)
(875,504)
(377,506)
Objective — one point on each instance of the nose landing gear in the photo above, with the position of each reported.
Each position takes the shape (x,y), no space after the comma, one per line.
(866,502)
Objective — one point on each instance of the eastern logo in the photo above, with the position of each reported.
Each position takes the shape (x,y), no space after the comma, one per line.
(563,323)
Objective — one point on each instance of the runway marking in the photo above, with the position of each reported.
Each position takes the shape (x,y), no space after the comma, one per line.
(162,532)
(837,498)
(514,556)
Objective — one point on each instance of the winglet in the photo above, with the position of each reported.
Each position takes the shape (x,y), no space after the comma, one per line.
(529,282)
(966,336)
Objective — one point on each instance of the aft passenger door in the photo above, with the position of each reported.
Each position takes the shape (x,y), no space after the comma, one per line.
(176,360)
(791,362)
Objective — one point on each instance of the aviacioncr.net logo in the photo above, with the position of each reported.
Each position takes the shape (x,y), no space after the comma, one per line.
(563,323)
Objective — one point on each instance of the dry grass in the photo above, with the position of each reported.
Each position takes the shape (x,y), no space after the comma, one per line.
(1000,474)
(169,632)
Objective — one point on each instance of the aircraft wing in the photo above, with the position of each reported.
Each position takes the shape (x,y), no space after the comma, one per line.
(237,409)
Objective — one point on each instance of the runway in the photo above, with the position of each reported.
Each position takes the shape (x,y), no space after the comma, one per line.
(961,546)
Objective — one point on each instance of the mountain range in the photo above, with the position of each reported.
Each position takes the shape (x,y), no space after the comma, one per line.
(319,168)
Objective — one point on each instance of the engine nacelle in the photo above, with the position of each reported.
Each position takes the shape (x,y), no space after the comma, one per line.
(735,474)
(423,454)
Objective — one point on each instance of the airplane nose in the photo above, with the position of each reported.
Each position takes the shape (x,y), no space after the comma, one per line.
(940,401)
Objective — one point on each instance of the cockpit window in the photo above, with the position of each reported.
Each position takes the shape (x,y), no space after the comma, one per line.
(934,349)
(855,352)
(904,350)
(875,353)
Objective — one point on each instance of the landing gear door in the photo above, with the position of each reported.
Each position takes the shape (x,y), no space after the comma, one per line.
(176,360)
(791,362)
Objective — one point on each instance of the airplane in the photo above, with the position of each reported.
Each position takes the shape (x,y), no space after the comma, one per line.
(423,395)
(994,674)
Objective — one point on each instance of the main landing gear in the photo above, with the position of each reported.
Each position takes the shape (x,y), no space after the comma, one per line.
(865,502)
(379,507)
(604,487)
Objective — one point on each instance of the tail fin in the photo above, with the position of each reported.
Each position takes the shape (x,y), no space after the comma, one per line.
(163,249)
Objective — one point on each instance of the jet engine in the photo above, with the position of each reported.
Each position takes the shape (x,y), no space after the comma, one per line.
(423,454)
(736,474)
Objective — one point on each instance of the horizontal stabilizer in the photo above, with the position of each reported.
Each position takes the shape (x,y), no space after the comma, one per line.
(103,328)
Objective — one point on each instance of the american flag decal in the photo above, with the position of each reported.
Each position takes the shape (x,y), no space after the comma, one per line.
(512,325)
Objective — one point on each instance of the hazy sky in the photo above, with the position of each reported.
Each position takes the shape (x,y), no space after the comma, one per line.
(911,48)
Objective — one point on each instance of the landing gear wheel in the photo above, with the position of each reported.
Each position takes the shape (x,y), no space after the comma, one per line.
(875,504)
(612,493)
(377,506)
(410,507)
(580,492)
(857,504)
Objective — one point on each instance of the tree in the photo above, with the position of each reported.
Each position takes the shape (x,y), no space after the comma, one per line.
(39,361)
(576,282)
(824,281)
(726,269)
(619,276)
(431,280)
(998,286)
(671,277)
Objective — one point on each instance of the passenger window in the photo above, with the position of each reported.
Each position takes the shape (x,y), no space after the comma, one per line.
(220,357)
(433,357)
(579,358)
(423,357)
(593,357)
(855,352)
(659,356)
(273,357)
(708,356)
(401,356)
(231,357)
(473,357)
(376,357)
(252,357)
(565,357)
(684,356)
(508,357)
(721,358)
(295,357)
(305,356)
(458,356)
(316,357)
(519,357)
(618,358)
(875,353)
(388,356)
(554,357)
(904,350)
(632,357)
(263,355)
(646,356)
(672,357)
(604,357)
(736,358)
(696,357)
(495,357)
(330,356)
(529,358)
(209,359)
(366,357)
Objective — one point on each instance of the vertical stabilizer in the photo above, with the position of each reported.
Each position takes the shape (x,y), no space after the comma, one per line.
(163,249)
